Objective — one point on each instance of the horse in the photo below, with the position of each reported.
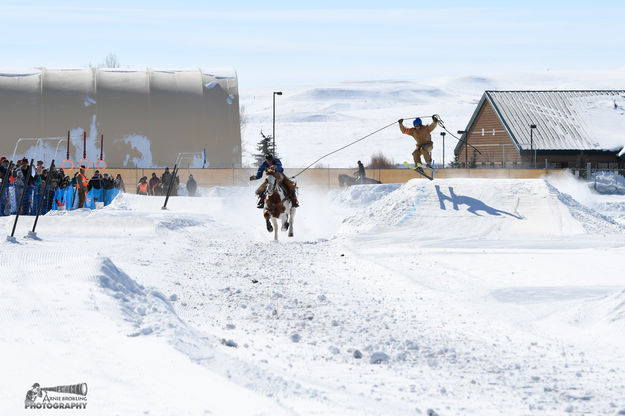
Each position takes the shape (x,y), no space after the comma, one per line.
(277,205)
(346,180)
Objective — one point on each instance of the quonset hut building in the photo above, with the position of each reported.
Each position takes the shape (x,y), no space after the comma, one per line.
(146,116)
(566,129)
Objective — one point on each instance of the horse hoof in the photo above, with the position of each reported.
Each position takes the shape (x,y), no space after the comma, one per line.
(285,226)
(269,227)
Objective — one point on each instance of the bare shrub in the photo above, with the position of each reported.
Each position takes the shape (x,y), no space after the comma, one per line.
(379,161)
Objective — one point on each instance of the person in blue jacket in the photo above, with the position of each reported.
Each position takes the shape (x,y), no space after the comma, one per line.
(290,185)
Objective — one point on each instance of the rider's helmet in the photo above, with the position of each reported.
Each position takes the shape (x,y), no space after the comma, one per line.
(417,122)
(269,157)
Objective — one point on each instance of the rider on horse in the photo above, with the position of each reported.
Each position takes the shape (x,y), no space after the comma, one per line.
(290,185)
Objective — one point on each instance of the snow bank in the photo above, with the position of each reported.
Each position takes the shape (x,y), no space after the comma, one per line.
(80,318)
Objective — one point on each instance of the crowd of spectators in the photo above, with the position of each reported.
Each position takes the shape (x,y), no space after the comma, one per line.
(158,186)
(52,188)
(58,191)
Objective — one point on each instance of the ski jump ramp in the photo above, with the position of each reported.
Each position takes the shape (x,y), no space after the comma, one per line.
(460,209)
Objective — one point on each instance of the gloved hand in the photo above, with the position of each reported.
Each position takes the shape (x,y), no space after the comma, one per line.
(435,117)
(401,120)
(253,178)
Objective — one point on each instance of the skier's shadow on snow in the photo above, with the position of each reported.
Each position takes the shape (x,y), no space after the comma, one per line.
(474,205)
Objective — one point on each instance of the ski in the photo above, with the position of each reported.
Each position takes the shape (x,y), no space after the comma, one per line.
(420,170)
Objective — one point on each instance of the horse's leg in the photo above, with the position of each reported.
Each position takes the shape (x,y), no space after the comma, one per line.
(275,228)
(269,227)
(291,220)
(284,217)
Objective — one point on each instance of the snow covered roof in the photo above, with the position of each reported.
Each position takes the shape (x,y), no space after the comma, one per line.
(565,120)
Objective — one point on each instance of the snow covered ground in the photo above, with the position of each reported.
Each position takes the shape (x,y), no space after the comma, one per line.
(457,296)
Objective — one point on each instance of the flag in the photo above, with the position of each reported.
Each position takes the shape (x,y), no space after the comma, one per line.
(204,164)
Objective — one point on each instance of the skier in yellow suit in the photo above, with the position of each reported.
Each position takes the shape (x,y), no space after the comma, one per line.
(421,134)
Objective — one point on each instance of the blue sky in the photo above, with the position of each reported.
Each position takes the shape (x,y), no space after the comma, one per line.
(281,43)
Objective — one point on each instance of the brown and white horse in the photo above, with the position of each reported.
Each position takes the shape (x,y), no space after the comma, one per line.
(277,204)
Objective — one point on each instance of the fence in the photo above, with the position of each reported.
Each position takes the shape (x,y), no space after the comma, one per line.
(605,180)
(328,178)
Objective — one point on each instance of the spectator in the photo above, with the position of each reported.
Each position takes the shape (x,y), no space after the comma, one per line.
(96,181)
(18,186)
(60,195)
(5,177)
(142,187)
(4,167)
(95,187)
(166,178)
(53,180)
(108,182)
(24,167)
(154,181)
(119,183)
(30,181)
(191,186)
(82,186)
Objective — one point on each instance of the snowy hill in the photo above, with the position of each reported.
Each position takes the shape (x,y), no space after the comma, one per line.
(461,296)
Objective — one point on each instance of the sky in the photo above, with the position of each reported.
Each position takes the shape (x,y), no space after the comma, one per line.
(280,43)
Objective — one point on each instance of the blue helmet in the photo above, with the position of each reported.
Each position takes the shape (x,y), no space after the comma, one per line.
(417,122)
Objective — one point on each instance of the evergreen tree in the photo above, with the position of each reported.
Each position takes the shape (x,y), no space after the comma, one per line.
(264,147)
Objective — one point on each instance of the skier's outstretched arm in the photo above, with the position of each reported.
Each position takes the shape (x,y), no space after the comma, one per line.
(401,125)
(432,126)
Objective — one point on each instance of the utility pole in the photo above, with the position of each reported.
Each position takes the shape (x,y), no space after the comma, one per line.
(274,122)
(443,134)
(532,127)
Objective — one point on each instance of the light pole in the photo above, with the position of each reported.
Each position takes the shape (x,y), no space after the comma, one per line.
(443,134)
(274,122)
(532,127)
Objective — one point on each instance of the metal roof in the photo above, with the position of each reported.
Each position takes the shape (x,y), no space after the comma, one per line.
(561,117)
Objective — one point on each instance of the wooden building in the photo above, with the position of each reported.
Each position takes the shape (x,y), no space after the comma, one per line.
(538,128)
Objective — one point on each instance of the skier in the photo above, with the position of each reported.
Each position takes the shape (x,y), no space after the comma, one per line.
(421,134)
(290,185)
